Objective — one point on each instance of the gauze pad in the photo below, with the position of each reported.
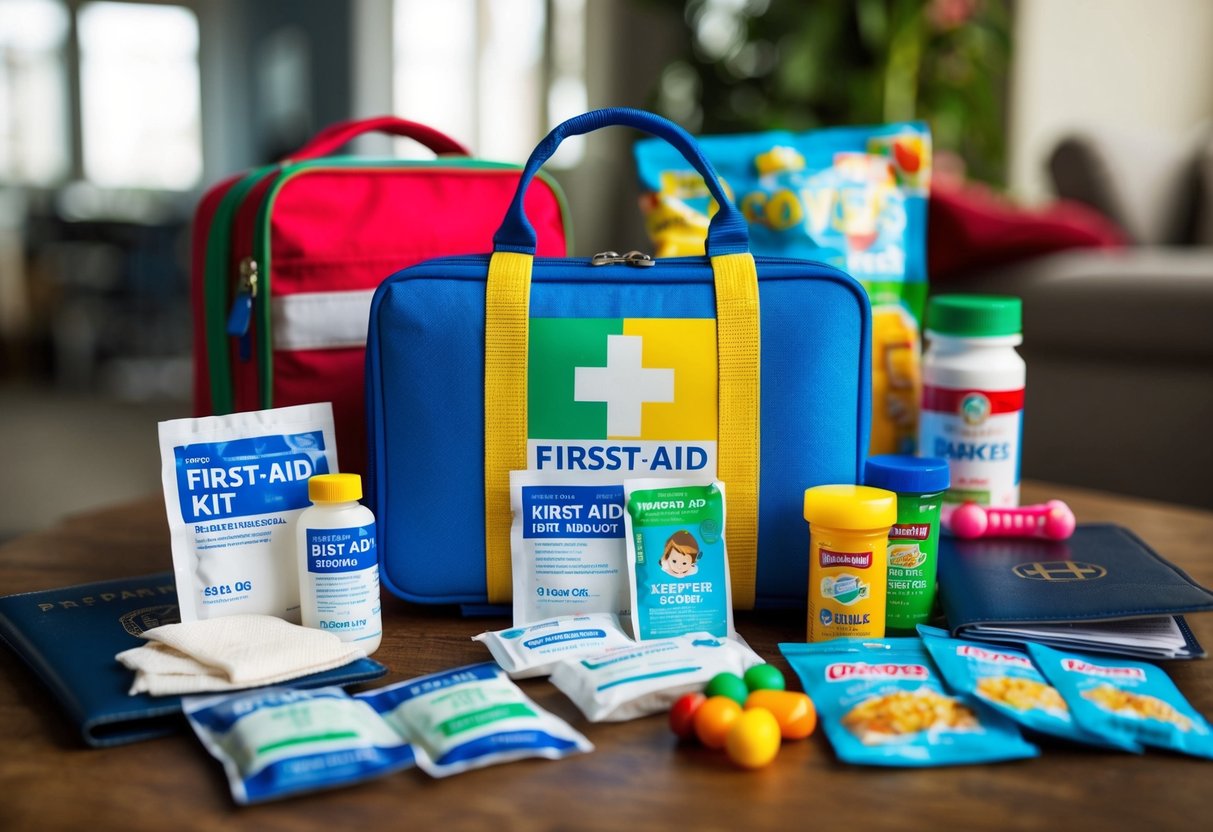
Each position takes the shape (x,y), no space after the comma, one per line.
(623,683)
(566,545)
(233,486)
(534,650)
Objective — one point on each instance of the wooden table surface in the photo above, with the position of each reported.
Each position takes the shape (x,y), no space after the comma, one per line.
(638,778)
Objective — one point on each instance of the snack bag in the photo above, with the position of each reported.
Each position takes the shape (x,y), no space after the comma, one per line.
(276,742)
(1126,701)
(566,546)
(233,487)
(534,650)
(882,703)
(852,197)
(1006,679)
(471,717)
(623,683)
(678,565)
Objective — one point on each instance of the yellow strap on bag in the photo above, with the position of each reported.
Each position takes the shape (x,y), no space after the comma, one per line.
(507,302)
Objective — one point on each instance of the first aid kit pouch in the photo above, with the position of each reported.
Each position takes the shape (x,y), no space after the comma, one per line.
(535,649)
(1006,679)
(471,717)
(1126,701)
(287,256)
(882,703)
(276,742)
(233,486)
(751,370)
(623,683)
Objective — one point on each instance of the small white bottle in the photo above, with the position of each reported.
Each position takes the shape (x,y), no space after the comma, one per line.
(339,562)
(973,392)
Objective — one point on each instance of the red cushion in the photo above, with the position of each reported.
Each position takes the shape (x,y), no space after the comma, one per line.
(971,228)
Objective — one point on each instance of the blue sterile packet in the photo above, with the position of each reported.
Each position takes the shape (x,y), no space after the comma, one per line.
(1006,679)
(882,703)
(1125,699)
(470,717)
(276,742)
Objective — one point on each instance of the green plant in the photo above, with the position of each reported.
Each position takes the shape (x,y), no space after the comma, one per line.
(799,64)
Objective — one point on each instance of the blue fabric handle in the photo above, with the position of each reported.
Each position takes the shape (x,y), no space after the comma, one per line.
(727,233)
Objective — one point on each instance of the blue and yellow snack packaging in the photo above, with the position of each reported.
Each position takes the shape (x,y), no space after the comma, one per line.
(1006,679)
(882,703)
(679,567)
(852,197)
(1127,700)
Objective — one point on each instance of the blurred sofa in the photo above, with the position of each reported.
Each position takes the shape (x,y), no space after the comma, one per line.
(1118,333)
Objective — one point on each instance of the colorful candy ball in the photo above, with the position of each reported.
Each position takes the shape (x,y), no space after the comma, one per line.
(728,684)
(765,677)
(682,714)
(793,711)
(714,718)
(753,739)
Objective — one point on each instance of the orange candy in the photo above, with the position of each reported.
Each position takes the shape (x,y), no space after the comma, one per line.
(714,718)
(794,711)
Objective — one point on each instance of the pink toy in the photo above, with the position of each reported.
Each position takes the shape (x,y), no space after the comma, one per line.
(1052,520)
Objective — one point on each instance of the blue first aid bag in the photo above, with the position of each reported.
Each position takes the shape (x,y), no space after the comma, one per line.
(751,370)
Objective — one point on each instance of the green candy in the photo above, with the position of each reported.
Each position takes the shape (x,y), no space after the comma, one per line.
(764,677)
(728,684)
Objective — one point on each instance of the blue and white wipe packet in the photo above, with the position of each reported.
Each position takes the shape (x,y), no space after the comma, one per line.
(566,545)
(1006,679)
(623,683)
(535,649)
(1126,701)
(882,703)
(233,486)
(471,717)
(679,568)
(276,742)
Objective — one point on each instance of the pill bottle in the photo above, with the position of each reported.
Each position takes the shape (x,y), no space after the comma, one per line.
(848,569)
(972,402)
(339,562)
(920,483)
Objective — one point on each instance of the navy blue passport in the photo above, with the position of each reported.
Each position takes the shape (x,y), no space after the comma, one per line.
(69,637)
(1103,590)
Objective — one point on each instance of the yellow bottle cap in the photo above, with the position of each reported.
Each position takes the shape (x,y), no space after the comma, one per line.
(334,488)
(850,507)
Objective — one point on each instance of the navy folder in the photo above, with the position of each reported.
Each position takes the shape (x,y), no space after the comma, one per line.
(69,637)
(1090,592)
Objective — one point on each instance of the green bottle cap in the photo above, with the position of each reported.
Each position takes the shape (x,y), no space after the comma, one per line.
(975,316)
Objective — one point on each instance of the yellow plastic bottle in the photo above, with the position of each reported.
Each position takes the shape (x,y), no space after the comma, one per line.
(848,559)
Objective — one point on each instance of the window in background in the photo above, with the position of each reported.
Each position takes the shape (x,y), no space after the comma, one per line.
(34,132)
(140,95)
(495,74)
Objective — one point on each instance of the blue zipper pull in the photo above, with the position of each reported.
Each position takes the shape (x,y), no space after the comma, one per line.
(240,318)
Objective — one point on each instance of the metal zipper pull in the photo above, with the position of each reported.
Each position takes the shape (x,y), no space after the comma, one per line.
(240,318)
(631,258)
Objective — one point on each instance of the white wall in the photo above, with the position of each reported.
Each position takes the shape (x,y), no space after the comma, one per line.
(1141,65)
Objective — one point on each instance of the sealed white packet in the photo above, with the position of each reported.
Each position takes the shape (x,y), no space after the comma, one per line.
(535,649)
(567,545)
(233,486)
(627,682)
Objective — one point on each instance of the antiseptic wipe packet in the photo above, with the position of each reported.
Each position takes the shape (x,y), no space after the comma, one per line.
(1006,679)
(535,649)
(882,703)
(627,682)
(1126,701)
(471,717)
(233,486)
(679,568)
(566,546)
(276,742)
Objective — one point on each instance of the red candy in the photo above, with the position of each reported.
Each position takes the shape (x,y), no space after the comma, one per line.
(682,714)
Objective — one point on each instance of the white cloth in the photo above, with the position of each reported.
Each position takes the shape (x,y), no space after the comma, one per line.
(229,653)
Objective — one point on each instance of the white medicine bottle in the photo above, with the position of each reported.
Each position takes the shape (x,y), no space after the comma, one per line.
(339,562)
(973,395)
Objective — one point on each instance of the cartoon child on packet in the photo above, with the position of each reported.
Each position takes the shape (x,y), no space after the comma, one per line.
(681,556)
